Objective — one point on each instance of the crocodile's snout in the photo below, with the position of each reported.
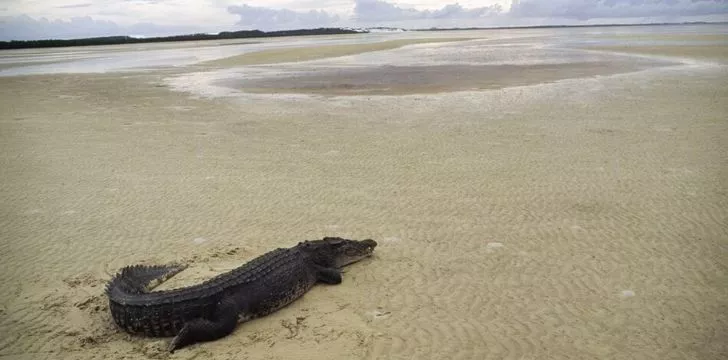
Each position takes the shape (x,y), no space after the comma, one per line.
(370,244)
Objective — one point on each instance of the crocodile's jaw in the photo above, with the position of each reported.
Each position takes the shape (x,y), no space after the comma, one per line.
(348,261)
(363,250)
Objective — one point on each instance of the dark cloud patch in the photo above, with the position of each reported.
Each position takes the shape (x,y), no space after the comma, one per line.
(594,9)
(366,13)
(378,10)
(375,10)
(261,18)
(24,27)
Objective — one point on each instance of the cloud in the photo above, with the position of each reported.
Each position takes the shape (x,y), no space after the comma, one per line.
(253,17)
(21,19)
(74,6)
(26,28)
(594,9)
(378,10)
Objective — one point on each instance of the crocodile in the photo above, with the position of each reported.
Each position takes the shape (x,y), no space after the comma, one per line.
(213,309)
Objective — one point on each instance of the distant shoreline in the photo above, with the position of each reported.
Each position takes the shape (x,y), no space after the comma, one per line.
(247,34)
(120,40)
(574,26)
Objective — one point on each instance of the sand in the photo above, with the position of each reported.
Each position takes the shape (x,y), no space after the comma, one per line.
(702,52)
(309,53)
(687,37)
(582,219)
(388,80)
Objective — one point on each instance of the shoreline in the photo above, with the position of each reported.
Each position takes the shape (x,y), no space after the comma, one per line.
(304,32)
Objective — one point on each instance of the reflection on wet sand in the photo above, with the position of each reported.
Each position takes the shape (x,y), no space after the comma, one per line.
(703,52)
(297,54)
(390,80)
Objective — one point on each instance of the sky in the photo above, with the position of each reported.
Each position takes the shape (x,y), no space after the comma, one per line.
(62,19)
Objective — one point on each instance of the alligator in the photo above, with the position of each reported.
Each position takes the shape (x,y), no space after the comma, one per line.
(212,309)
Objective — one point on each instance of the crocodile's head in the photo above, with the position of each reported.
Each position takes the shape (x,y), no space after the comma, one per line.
(338,252)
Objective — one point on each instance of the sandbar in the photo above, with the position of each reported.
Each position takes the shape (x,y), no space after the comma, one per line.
(318,52)
(399,80)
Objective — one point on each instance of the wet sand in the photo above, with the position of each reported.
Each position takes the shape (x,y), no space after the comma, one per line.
(400,80)
(702,52)
(582,219)
(296,54)
(669,37)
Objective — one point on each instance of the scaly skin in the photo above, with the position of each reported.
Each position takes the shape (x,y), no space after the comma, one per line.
(212,309)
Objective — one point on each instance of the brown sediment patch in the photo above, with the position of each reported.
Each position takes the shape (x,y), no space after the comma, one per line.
(709,52)
(395,80)
(319,52)
(36,63)
(226,43)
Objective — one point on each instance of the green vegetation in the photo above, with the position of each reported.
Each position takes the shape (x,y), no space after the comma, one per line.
(115,40)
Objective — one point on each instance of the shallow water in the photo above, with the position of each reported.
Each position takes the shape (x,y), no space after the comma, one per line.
(428,68)
(528,46)
(490,59)
(102,59)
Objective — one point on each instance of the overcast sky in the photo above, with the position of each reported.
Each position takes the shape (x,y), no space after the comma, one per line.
(36,19)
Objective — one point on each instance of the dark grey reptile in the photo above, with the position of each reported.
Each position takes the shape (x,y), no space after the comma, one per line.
(212,309)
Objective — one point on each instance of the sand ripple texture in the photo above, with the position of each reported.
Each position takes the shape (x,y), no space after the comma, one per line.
(585,219)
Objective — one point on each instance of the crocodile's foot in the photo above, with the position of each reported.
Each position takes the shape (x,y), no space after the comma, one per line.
(330,276)
(181,340)
(199,330)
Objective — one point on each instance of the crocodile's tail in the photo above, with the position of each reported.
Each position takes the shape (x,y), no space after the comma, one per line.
(138,279)
(133,283)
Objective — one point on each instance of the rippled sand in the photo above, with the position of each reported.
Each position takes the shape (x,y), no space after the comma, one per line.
(582,219)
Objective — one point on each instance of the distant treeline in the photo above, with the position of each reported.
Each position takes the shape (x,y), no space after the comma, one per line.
(115,40)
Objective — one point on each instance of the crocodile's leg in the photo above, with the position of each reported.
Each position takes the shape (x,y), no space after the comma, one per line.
(328,275)
(223,323)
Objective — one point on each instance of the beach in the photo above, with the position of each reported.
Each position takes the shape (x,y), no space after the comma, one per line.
(569,201)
